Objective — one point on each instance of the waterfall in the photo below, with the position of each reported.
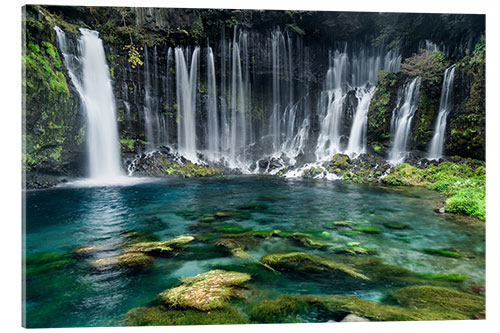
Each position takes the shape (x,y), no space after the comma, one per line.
(329,137)
(93,83)
(212,121)
(238,107)
(445,106)
(356,71)
(357,138)
(186,87)
(407,104)
(148,104)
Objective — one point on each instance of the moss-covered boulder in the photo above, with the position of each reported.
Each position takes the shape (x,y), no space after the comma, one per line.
(309,241)
(127,260)
(452,277)
(284,309)
(159,247)
(305,262)
(207,291)
(163,316)
(440,299)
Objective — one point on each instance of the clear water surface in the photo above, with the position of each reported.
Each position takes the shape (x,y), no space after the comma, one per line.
(63,290)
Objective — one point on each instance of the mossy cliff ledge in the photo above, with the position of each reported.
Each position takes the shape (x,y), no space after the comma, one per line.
(54,126)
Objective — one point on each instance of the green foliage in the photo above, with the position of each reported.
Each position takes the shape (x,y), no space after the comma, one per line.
(51,113)
(464,184)
(468,202)
(405,174)
(380,110)
(428,65)
(468,126)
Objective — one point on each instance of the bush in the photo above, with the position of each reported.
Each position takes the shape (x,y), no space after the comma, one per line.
(468,202)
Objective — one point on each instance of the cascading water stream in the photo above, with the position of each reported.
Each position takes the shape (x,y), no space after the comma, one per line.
(329,137)
(213,121)
(445,107)
(186,87)
(402,116)
(94,87)
(357,138)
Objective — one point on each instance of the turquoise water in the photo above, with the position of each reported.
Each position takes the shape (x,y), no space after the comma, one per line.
(62,290)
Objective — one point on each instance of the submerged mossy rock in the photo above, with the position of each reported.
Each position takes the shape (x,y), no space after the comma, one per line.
(271,198)
(163,316)
(397,226)
(442,253)
(207,291)
(159,247)
(309,241)
(284,309)
(305,262)
(289,308)
(43,262)
(452,277)
(231,214)
(139,236)
(127,260)
(442,300)
(355,250)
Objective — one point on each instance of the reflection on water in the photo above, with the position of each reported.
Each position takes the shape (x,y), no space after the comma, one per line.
(63,289)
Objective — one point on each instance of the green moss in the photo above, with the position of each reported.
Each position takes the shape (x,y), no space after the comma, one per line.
(42,262)
(440,299)
(207,219)
(367,229)
(52,120)
(349,233)
(405,174)
(379,112)
(127,260)
(355,249)
(159,247)
(452,277)
(230,228)
(305,262)
(207,291)
(442,253)
(309,241)
(468,125)
(163,316)
(284,309)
